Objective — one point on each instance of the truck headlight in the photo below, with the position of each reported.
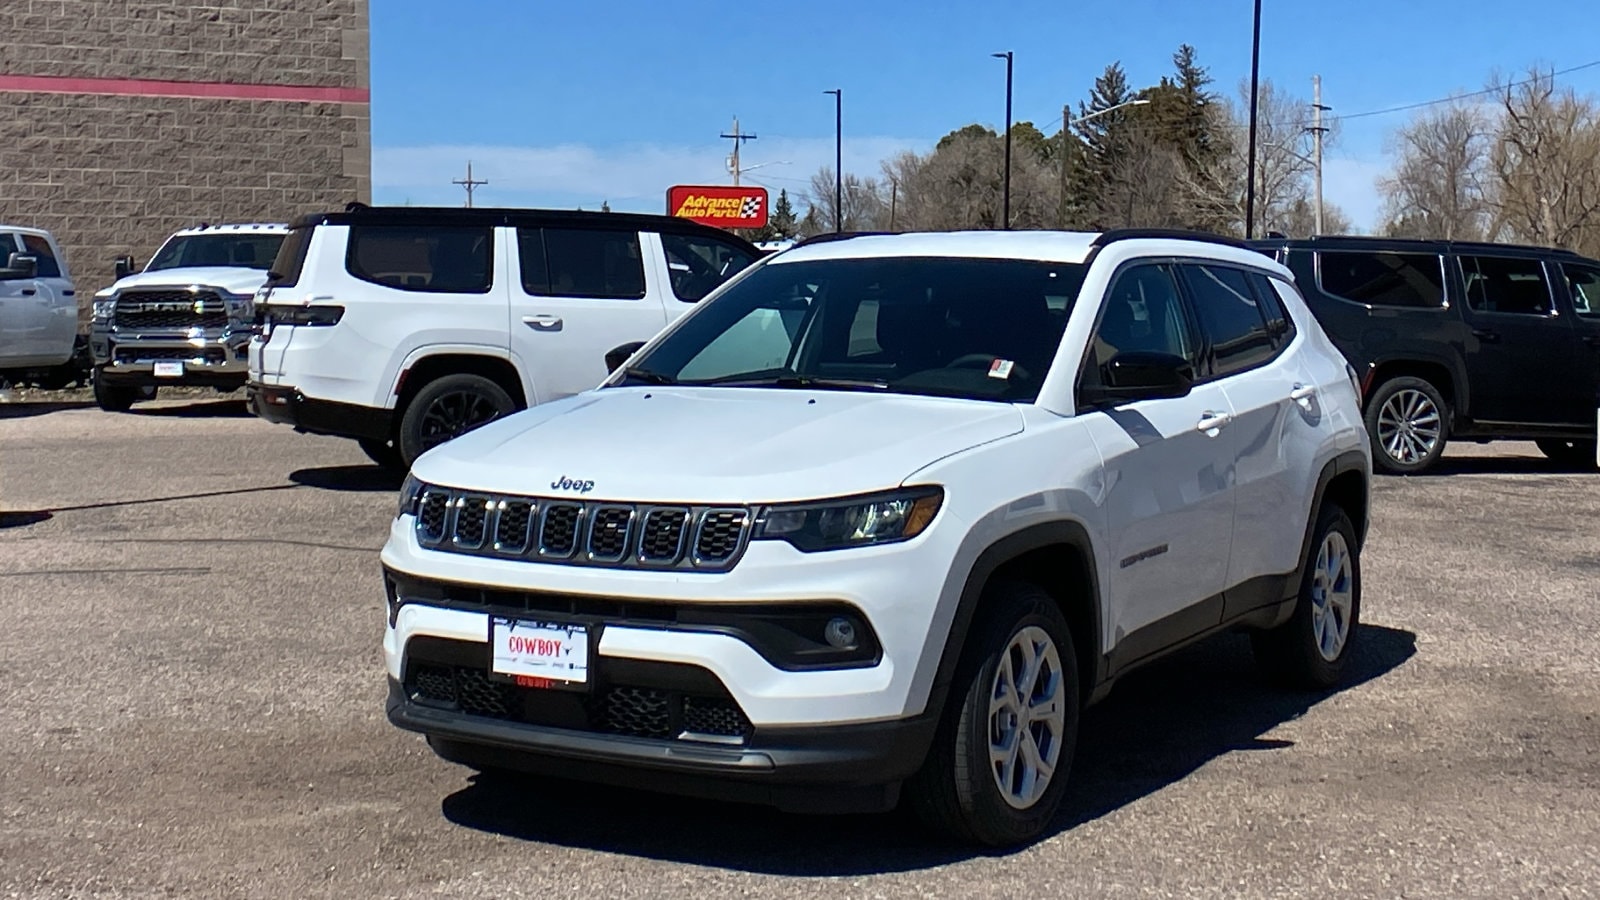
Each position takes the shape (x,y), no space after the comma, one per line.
(851,521)
(104,309)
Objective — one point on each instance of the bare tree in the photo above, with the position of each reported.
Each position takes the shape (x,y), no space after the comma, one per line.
(865,207)
(1283,162)
(959,184)
(1544,164)
(1440,185)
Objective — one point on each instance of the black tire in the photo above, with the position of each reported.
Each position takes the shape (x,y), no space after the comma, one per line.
(1406,461)
(1291,653)
(957,791)
(447,408)
(115,397)
(384,453)
(1568,454)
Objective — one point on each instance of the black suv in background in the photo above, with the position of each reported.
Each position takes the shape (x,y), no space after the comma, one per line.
(1459,340)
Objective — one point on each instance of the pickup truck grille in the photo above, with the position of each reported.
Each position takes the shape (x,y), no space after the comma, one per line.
(169,309)
(616,535)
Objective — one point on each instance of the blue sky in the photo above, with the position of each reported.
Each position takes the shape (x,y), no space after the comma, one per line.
(571,103)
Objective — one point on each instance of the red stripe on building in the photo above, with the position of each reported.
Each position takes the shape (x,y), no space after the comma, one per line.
(141,87)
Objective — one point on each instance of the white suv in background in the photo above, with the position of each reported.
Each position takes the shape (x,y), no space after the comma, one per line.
(38,308)
(880,517)
(405,327)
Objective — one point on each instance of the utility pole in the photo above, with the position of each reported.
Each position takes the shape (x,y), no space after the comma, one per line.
(1317,130)
(1066,141)
(738,138)
(469,183)
(894,199)
(838,159)
(1005,191)
(1250,167)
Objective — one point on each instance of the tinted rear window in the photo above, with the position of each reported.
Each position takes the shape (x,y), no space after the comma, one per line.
(291,257)
(1383,279)
(430,259)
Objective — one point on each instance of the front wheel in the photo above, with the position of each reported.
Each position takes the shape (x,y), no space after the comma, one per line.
(115,397)
(447,408)
(1311,649)
(997,769)
(1408,424)
(1568,454)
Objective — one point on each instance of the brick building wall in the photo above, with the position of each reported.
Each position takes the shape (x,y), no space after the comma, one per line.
(127,119)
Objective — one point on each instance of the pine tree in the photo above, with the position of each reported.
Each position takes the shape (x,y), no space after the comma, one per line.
(783,224)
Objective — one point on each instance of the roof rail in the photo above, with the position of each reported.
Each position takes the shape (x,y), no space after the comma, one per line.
(828,236)
(1180,234)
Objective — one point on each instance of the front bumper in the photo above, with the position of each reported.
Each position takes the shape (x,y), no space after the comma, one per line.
(212,357)
(285,405)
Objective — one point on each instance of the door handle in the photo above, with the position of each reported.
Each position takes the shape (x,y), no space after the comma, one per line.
(1211,421)
(542,322)
(1487,336)
(1302,392)
(28,292)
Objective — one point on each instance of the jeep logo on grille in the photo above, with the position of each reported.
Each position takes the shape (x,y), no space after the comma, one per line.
(567,484)
(167,306)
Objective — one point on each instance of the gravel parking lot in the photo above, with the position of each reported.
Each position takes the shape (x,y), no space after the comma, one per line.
(192,701)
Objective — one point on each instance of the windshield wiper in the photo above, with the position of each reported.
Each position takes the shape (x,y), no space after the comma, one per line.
(802,381)
(648,377)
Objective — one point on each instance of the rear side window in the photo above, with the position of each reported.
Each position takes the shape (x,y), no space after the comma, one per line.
(1382,279)
(291,258)
(581,262)
(698,263)
(430,259)
(39,248)
(1584,283)
(1279,325)
(1231,318)
(1499,284)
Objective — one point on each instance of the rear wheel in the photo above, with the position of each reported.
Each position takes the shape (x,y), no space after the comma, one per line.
(447,408)
(1568,454)
(1408,424)
(384,453)
(1310,650)
(997,769)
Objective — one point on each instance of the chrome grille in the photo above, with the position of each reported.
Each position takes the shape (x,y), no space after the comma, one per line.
(578,533)
(170,309)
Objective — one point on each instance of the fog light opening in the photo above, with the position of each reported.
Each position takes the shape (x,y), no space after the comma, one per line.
(840,633)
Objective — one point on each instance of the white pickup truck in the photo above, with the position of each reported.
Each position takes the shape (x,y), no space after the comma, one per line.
(186,319)
(38,309)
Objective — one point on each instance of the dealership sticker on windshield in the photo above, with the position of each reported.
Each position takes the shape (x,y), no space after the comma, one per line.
(169,370)
(534,652)
(1000,368)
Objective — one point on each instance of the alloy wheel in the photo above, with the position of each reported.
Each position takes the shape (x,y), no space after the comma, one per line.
(1332,596)
(454,414)
(1027,717)
(1409,426)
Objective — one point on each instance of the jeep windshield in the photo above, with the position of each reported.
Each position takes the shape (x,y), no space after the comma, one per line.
(981,329)
(241,249)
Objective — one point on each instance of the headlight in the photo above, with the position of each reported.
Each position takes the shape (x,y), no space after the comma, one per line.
(410,495)
(104,309)
(851,521)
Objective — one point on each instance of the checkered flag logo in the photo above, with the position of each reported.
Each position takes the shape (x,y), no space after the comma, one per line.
(751,206)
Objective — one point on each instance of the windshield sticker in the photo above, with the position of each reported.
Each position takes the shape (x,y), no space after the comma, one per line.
(1000,368)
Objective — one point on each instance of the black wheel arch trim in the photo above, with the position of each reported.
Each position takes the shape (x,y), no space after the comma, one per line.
(1459,394)
(1344,463)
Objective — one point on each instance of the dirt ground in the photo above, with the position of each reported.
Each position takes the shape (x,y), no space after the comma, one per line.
(191,703)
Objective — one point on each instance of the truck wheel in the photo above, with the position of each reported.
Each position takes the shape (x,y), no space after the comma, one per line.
(1568,454)
(447,408)
(1408,424)
(1310,650)
(997,769)
(384,453)
(115,397)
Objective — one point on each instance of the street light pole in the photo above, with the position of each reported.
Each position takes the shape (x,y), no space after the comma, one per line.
(1005,193)
(838,159)
(1250,166)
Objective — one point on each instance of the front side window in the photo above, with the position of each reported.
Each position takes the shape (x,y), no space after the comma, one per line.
(222,248)
(1500,284)
(698,264)
(39,248)
(1142,314)
(586,262)
(1231,318)
(1584,284)
(1412,280)
(979,329)
(430,259)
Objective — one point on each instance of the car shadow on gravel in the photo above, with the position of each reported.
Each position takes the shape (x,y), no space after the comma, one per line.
(198,409)
(1501,465)
(349,478)
(1157,727)
(25,409)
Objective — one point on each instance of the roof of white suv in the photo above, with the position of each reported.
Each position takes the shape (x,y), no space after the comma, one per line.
(250,228)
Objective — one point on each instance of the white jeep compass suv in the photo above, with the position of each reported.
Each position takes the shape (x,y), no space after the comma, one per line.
(879,517)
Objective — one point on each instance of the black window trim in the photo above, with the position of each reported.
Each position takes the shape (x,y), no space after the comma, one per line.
(1201,351)
(1444,278)
(544,247)
(489,263)
(1210,374)
(1552,311)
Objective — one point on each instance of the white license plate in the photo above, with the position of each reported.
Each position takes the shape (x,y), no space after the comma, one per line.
(533,653)
(169,370)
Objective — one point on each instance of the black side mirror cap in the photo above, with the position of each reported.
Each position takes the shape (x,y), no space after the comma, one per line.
(20,266)
(616,356)
(1139,375)
(124,267)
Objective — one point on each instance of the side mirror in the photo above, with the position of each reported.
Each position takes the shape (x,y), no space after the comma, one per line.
(616,356)
(20,267)
(1139,375)
(124,267)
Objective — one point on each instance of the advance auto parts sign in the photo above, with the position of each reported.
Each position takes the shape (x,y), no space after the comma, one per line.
(722,206)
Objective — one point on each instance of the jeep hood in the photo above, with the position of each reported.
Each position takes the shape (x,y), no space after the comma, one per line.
(233,279)
(715,445)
